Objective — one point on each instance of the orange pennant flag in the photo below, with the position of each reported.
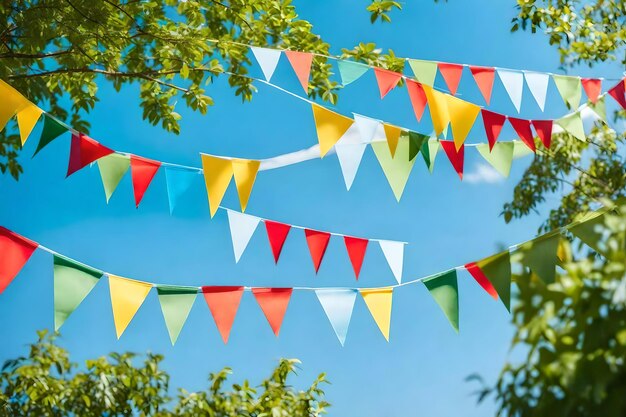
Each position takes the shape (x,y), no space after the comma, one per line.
(273,302)
(301,64)
(451,75)
(330,127)
(387,80)
(223,303)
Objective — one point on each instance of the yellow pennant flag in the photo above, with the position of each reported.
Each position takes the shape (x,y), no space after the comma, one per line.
(330,127)
(245,171)
(27,119)
(10,102)
(393,136)
(378,302)
(462,116)
(438,105)
(126,298)
(217,175)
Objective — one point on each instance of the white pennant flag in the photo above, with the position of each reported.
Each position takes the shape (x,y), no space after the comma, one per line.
(394,253)
(514,85)
(267,59)
(242,227)
(338,305)
(350,149)
(370,129)
(538,85)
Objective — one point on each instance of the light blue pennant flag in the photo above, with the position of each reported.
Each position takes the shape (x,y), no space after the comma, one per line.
(338,305)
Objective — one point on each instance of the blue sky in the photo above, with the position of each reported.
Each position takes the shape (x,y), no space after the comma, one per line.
(447,222)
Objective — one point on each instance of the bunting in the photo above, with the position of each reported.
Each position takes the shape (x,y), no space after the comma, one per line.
(424,71)
(379,302)
(27,118)
(273,303)
(223,303)
(387,80)
(417,97)
(444,289)
(338,305)
(429,153)
(84,151)
(493,125)
(497,268)
(539,255)
(330,127)
(350,150)
(127,296)
(356,248)
(52,129)
(593,88)
(112,169)
(569,88)
(317,242)
(392,133)
(394,254)
(573,124)
(544,131)
(618,92)
(277,234)
(397,168)
(481,279)
(484,78)
(456,156)
(12,102)
(267,59)
(301,64)
(514,85)
(523,130)
(438,105)
(142,171)
(451,75)
(538,86)
(242,227)
(244,172)
(217,175)
(350,71)
(500,156)
(176,303)
(178,181)
(15,251)
(462,116)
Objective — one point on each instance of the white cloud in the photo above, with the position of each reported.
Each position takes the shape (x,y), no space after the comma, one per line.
(483,173)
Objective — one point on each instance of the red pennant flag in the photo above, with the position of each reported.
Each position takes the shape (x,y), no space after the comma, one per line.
(544,131)
(142,171)
(482,280)
(317,242)
(493,125)
(418,98)
(15,251)
(484,77)
(593,88)
(84,151)
(276,233)
(618,92)
(273,302)
(301,64)
(223,303)
(456,157)
(451,74)
(525,133)
(356,251)
(387,80)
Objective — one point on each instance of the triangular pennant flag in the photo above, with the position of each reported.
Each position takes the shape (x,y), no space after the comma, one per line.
(356,251)
(127,296)
(569,88)
(397,168)
(276,233)
(379,301)
(245,171)
(416,142)
(317,242)
(369,129)
(242,227)
(330,127)
(484,77)
(524,131)
(176,303)
(301,64)
(273,302)
(481,279)
(217,175)
(394,254)
(500,157)
(438,104)
(493,125)
(178,181)
(51,130)
(142,171)
(73,281)
(12,101)
(267,59)
(429,153)
(15,251)
(513,82)
(520,149)
(445,290)
(456,156)
(338,305)
(112,169)
(618,92)
(417,97)
(350,149)
(462,117)
(573,124)
(223,303)
(451,74)
(392,133)
(350,71)
(599,108)
(84,151)
(424,71)
(387,80)
(540,256)
(538,85)
(544,131)
(497,268)
(590,231)
(592,87)
(27,119)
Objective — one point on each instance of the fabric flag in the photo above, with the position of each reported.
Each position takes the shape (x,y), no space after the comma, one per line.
(416,142)
(394,254)
(445,290)
(524,131)
(176,303)
(178,181)
(417,97)
(127,296)
(338,305)
(350,71)
(378,301)
(73,281)
(592,87)
(273,302)
(217,175)
(497,268)
(500,157)
(223,303)
(462,117)
(573,124)
(540,256)
(544,131)
(276,233)
(484,77)
(392,133)
(142,171)
(267,59)
(27,118)
(242,227)
(397,168)
(15,251)
(244,171)
(112,168)
(424,71)
(438,104)
(350,150)
(455,156)
(569,88)
(493,125)
(513,82)
(12,101)
(538,85)
(481,279)
(589,231)
(520,149)
(369,129)
(356,248)
(451,75)
(618,92)
(429,153)
(317,242)
(301,64)
(84,151)
(599,108)
(51,130)
(387,80)
(330,127)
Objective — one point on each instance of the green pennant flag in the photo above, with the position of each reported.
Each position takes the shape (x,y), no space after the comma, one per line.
(520,149)
(429,153)
(112,169)
(72,283)
(416,141)
(599,108)
(573,124)
(397,168)
(444,289)
(424,71)
(589,230)
(176,303)
(51,130)
(497,268)
(540,255)
(351,71)
(570,89)
(500,157)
